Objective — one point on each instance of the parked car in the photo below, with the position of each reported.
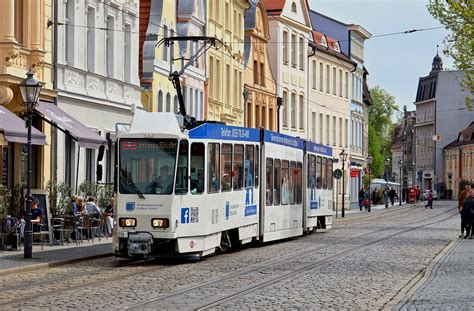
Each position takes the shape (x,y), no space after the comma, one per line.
(424,196)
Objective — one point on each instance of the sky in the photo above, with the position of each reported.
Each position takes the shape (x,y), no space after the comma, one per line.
(395,63)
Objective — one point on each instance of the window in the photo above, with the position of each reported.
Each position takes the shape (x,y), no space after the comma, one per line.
(340,83)
(292,185)
(128,54)
(257,167)
(69,31)
(213,166)
(340,132)
(285,47)
(249,166)
(210,79)
(301,53)
(346,128)
(90,39)
(181,186)
(165,48)
(301,112)
(175,104)
(271,126)
(313,125)
(196,104)
(227,15)
(293,7)
(160,101)
(285,187)
(328,130)
(321,128)
(217,81)
(238,170)
(226,167)
(228,79)
(293,110)
(346,95)
(90,164)
(328,79)
(255,72)
(293,50)
(311,178)
(299,182)
(110,47)
(269,173)
(18,17)
(329,173)
(190,101)
(319,174)
(334,82)
(262,74)
(284,109)
(197,168)
(321,77)
(334,130)
(277,182)
(314,74)
(324,174)
(168,102)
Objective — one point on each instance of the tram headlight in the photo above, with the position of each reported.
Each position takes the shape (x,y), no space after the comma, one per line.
(160,223)
(127,222)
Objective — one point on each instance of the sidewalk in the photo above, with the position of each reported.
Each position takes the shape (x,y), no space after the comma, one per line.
(13,261)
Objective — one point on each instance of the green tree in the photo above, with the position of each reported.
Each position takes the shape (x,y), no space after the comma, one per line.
(458,17)
(380,128)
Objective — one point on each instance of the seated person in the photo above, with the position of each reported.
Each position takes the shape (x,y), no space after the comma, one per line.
(163,184)
(36,217)
(91,207)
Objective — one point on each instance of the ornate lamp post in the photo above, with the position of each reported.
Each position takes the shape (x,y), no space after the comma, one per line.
(400,194)
(343,156)
(369,162)
(30,90)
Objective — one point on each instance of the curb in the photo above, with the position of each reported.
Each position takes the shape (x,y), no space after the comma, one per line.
(417,281)
(52,264)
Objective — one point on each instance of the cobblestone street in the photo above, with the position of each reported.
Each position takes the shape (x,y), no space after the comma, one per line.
(367,261)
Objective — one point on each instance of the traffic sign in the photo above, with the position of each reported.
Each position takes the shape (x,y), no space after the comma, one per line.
(337,173)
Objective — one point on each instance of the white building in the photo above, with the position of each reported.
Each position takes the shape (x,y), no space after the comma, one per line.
(290,24)
(97,83)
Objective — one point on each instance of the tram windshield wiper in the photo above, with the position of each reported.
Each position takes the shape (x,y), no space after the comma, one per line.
(129,181)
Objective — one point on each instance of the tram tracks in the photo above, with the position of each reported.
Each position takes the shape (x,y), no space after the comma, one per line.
(101,276)
(259,284)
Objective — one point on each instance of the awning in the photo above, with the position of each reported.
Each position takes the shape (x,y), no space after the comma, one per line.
(14,129)
(85,137)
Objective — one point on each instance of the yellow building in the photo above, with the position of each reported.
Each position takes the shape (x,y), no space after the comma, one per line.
(261,107)
(25,42)
(225,81)
(160,20)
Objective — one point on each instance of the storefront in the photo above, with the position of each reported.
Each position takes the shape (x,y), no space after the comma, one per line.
(356,174)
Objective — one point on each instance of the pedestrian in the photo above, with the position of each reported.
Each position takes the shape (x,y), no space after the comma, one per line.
(468,213)
(392,195)
(362,197)
(430,200)
(385,196)
(463,195)
(417,193)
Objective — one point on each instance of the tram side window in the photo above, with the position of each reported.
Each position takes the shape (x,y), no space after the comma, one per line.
(257,166)
(197,168)
(269,188)
(311,171)
(226,167)
(213,151)
(324,174)
(277,181)
(330,177)
(249,166)
(319,177)
(181,186)
(299,182)
(238,180)
(292,185)
(285,188)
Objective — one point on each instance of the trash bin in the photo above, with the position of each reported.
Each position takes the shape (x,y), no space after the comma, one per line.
(411,195)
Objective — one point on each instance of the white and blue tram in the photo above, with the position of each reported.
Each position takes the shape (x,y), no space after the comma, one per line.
(194,191)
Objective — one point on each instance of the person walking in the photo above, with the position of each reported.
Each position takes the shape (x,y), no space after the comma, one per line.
(417,193)
(468,213)
(463,195)
(385,196)
(392,195)
(362,197)
(430,200)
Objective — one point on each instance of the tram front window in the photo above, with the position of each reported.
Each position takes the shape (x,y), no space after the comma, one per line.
(147,165)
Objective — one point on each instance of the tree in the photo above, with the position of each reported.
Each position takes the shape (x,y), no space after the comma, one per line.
(380,128)
(458,17)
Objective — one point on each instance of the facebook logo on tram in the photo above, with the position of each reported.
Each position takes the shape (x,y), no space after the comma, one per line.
(185,215)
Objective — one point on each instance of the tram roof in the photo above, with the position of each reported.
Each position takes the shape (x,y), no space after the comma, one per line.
(284,140)
(318,148)
(225,132)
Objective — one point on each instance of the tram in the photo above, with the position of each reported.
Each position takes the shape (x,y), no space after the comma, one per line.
(207,188)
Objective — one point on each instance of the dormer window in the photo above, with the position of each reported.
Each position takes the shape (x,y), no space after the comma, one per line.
(323,42)
(293,7)
(337,48)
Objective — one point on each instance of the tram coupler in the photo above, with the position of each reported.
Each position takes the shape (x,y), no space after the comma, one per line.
(140,243)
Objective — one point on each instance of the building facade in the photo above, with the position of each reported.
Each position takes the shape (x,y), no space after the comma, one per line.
(25,43)
(439,101)
(459,161)
(259,85)
(97,82)
(191,21)
(290,32)
(225,68)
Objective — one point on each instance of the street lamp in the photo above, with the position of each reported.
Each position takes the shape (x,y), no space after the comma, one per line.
(343,157)
(400,194)
(30,89)
(369,162)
